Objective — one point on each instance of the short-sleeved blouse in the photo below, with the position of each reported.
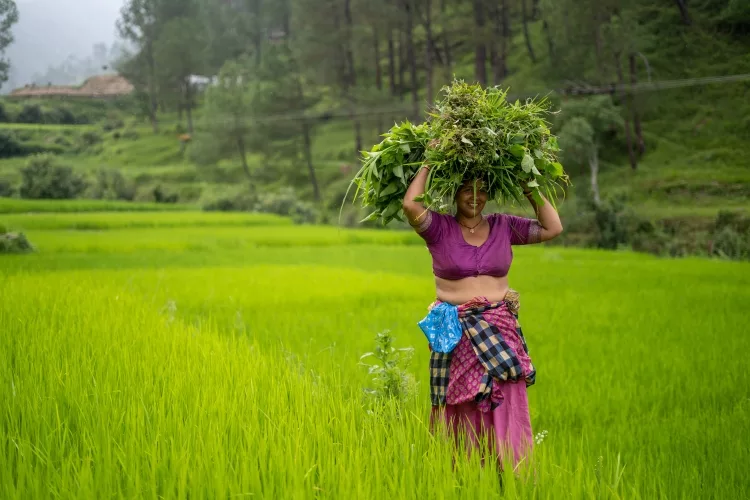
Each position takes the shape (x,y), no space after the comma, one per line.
(453,258)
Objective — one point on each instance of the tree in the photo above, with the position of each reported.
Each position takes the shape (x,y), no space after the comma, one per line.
(684,14)
(584,123)
(179,51)
(141,22)
(8,17)
(480,49)
(526,37)
(229,108)
(138,25)
(281,86)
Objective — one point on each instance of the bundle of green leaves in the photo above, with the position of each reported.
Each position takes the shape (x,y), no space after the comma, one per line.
(473,133)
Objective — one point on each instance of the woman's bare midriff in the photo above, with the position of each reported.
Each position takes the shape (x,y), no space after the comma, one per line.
(458,292)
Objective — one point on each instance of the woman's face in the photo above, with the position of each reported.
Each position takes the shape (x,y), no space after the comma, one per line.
(471,199)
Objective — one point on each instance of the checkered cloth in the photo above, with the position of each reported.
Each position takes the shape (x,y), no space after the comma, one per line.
(496,356)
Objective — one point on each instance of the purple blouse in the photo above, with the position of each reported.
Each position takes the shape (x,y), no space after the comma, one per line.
(453,258)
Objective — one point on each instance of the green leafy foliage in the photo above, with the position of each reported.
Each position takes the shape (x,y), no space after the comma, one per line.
(110,184)
(389,167)
(473,134)
(389,372)
(14,242)
(44,177)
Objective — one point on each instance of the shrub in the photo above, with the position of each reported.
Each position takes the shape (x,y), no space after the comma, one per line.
(31,113)
(130,134)
(731,236)
(611,218)
(245,201)
(6,189)
(90,138)
(44,178)
(162,196)
(10,146)
(4,118)
(113,124)
(651,238)
(14,242)
(62,141)
(110,184)
(285,202)
(60,116)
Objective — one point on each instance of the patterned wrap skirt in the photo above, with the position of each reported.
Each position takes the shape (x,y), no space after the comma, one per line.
(479,388)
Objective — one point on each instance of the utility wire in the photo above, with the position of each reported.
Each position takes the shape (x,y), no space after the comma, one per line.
(571,91)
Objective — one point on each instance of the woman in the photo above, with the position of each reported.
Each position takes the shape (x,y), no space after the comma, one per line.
(479,362)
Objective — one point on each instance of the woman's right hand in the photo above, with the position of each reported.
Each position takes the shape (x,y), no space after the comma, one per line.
(415,211)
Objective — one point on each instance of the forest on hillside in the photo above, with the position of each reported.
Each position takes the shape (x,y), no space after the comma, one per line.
(650,104)
(286,66)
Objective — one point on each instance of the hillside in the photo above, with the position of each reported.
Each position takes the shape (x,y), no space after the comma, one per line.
(693,168)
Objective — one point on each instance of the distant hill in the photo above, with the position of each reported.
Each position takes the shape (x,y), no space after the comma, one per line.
(50,31)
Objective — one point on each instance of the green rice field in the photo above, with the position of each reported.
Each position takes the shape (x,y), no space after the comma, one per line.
(189,355)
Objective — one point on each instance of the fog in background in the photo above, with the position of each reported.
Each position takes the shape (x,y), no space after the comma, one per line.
(50,31)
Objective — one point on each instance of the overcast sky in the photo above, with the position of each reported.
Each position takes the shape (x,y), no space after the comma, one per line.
(48,31)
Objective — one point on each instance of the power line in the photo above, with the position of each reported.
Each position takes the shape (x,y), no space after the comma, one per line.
(571,91)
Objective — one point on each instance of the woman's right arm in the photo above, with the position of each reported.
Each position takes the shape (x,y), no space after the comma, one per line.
(415,211)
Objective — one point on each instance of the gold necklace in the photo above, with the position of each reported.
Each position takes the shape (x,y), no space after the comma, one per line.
(471,229)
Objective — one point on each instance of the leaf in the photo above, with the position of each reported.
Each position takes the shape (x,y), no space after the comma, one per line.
(537,197)
(405,148)
(398,171)
(527,163)
(535,171)
(466,141)
(390,189)
(372,217)
(532,183)
(555,169)
(393,207)
(538,153)
(517,150)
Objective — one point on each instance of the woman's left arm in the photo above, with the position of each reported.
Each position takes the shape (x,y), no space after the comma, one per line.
(549,219)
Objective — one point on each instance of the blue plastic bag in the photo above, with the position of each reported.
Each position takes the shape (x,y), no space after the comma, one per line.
(442,327)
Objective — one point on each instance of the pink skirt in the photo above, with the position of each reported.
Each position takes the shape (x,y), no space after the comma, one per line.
(507,427)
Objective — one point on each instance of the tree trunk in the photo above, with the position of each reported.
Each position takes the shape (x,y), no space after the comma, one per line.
(682,5)
(349,77)
(412,57)
(505,40)
(258,31)
(599,49)
(392,64)
(480,50)
(496,43)
(351,70)
(189,106)
(594,168)
(154,104)
(241,151)
(548,36)
(640,143)
(526,37)
(628,133)
(401,64)
(448,62)
(308,158)
(376,53)
(428,51)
